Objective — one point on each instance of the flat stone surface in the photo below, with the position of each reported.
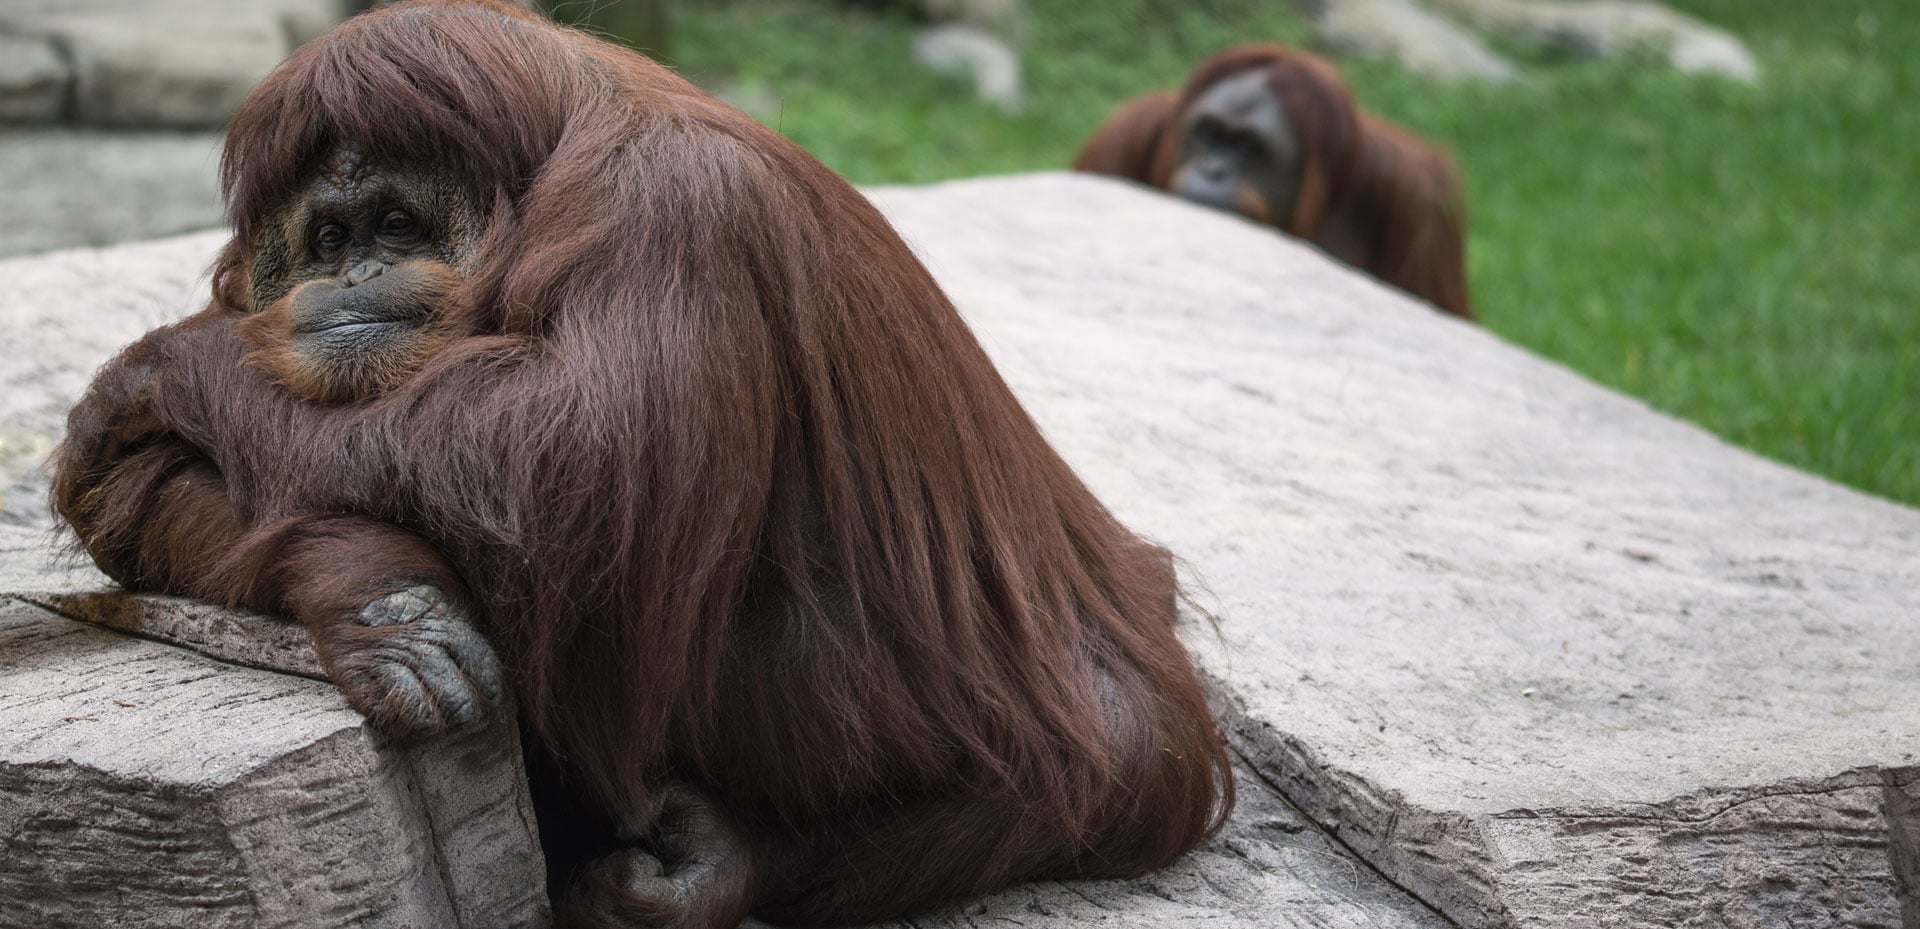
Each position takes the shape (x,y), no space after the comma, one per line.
(1540,655)
(1544,656)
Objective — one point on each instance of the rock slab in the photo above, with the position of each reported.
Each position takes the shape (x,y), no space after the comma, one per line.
(148,785)
(166,763)
(1540,654)
(1520,649)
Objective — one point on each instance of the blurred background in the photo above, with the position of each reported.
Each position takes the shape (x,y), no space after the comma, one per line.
(1729,234)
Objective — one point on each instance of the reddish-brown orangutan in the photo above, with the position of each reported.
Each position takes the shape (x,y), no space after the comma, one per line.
(523,347)
(1274,135)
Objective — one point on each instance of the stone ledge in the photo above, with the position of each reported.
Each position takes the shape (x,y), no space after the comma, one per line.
(152,786)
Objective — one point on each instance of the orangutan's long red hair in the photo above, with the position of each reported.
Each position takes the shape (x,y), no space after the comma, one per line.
(741,499)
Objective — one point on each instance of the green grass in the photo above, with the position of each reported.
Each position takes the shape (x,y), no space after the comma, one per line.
(1743,257)
(841,80)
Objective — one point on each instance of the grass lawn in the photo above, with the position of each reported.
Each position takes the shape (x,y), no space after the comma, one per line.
(1742,257)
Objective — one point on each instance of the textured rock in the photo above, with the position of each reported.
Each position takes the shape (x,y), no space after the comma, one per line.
(1542,656)
(166,763)
(150,786)
(32,560)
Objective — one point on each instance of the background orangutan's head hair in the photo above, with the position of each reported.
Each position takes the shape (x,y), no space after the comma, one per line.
(1370,193)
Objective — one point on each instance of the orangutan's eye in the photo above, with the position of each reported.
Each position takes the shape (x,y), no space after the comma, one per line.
(328,238)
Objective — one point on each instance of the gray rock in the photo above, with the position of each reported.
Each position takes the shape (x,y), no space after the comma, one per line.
(966,51)
(1411,36)
(34,80)
(1613,28)
(1541,656)
(33,559)
(182,64)
(126,75)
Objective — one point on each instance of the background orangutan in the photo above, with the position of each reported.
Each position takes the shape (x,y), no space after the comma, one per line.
(802,614)
(1274,134)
